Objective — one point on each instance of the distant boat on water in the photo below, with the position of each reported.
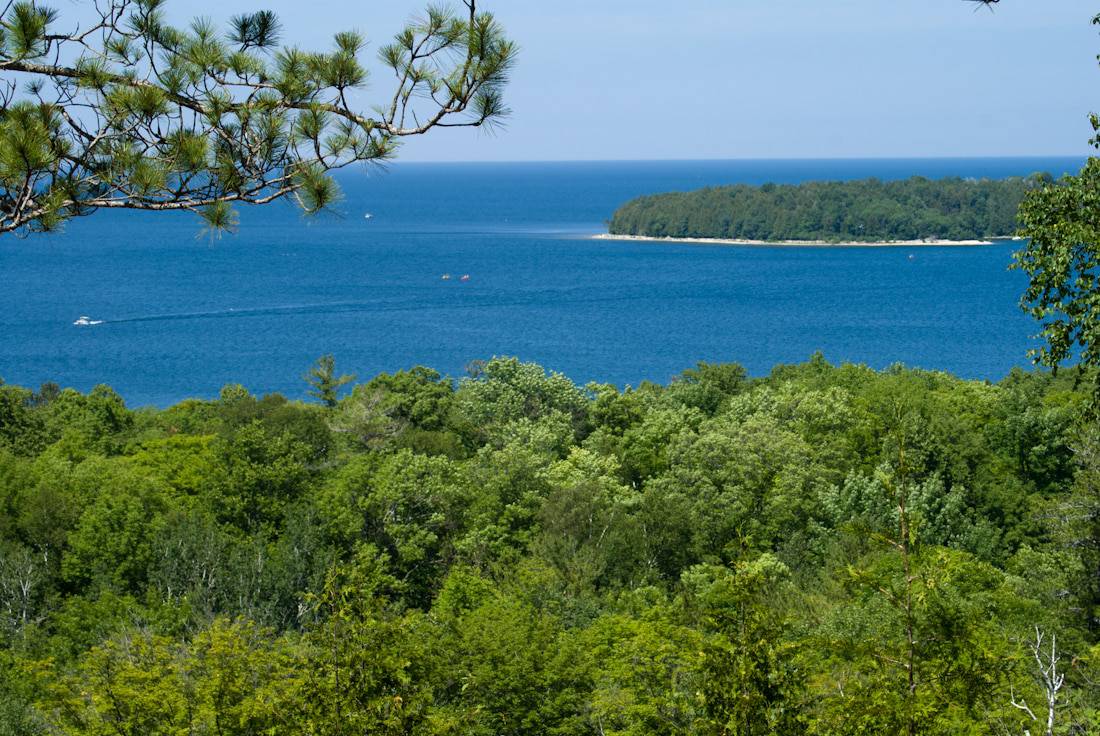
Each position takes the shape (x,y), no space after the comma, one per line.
(368,216)
(465,277)
(87,322)
(446,277)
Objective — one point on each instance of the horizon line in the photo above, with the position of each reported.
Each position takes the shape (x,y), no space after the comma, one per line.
(397,161)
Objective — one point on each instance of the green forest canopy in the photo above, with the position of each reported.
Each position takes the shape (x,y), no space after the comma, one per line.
(516,554)
(858,211)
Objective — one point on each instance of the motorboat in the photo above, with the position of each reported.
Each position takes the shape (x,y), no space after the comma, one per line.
(86,321)
(465,277)
(446,277)
(368,216)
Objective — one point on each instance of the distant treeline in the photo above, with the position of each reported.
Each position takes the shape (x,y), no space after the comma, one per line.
(865,210)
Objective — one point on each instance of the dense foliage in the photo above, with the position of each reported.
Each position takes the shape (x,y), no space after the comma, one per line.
(857,211)
(828,550)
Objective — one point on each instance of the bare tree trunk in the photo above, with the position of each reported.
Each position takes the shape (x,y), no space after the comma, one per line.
(1048,678)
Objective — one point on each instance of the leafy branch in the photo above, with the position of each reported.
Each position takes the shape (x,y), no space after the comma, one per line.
(133,113)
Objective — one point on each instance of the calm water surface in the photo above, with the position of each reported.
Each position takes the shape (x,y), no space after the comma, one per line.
(184,315)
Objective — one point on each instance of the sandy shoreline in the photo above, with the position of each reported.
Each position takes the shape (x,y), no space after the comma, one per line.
(799,243)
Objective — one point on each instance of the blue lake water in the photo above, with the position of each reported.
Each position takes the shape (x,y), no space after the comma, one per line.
(184,315)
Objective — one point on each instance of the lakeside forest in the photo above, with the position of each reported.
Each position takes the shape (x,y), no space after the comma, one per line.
(867,210)
(825,550)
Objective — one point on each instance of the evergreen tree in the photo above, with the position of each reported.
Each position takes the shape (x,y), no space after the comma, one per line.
(133,113)
(325,383)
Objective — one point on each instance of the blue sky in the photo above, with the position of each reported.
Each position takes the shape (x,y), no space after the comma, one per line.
(684,79)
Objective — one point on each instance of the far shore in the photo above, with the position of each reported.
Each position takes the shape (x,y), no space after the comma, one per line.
(803,243)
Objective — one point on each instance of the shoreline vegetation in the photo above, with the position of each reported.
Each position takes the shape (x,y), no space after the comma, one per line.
(872,212)
(806,243)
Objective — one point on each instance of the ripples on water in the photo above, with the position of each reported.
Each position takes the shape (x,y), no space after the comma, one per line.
(184,315)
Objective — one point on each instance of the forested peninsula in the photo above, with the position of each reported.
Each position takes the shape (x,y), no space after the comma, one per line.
(864,211)
(825,550)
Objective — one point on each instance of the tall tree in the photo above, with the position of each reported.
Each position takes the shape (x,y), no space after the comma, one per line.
(750,686)
(130,112)
(325,384)
(1061,257)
